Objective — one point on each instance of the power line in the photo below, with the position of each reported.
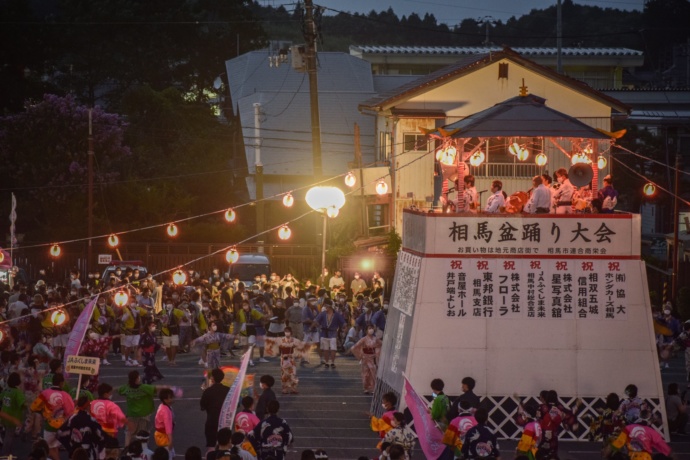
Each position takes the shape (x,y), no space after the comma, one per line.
(650,181)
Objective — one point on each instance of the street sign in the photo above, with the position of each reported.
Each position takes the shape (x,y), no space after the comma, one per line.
(104,259)
(82,365)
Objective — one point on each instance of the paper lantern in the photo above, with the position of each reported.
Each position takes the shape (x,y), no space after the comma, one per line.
(447,155)
(540,159)
(288,200)
(172,230)
(381,187)
(58,317)
(332,212)
(179,277)
(2,257)
(477,158)
(284,232)
(55,250)
(232,255)
(649,189)
(230,215)
(121,298)
(601,162)
(350,179)
(523,154)
(113,241)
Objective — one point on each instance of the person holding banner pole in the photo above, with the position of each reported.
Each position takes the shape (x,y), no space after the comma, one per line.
(211,402)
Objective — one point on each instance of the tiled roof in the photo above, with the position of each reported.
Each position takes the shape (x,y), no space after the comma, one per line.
(465,50)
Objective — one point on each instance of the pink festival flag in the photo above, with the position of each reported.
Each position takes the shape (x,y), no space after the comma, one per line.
(227,413)
(430,437)
(78,331)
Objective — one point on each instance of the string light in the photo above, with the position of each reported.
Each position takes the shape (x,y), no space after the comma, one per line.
(477,158)
(523,154)
(540,160)
(332,212)
(58,317)
(230,215)
(55,250)
(447,155)
(232,255)
(113,241)
(179,277)
(381,187)
(284,232)
(350,179)
(514,148)
(580,158)
(288,200)
(121,298)
(601,162)
(649,189)
(172,230)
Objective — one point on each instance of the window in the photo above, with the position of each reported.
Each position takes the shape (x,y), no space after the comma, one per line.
(415,143)
(384,146)
(378,219)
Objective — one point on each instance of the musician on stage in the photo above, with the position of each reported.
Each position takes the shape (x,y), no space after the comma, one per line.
(471,195)
(540,200)
(496,201)
(564,194)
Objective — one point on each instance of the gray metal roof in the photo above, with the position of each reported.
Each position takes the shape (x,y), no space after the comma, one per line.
(343,80)
(522,116)
(385,83)
(464,50)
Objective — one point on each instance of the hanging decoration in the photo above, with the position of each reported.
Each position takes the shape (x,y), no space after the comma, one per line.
(350,179)
(332,212)
(541,159)
(381,187)
(55,250)
(284,232)
(179,277)
(172,230)
(58,317)
(121,298)
(649,189)
(113,241)
(477,158)
(447,155)
(232,255)
(601,162)
(230,215)
(581,157)
(288,200)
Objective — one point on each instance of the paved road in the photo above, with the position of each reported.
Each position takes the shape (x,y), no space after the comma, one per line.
(329,411)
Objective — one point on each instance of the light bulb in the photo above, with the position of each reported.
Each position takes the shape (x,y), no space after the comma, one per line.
(381,187)
(284,232)
(230,215)
(55,250)
(232,255)
(350,179)
(288,200)
(113,241)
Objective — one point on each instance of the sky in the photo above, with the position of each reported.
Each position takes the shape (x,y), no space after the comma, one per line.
(453,12)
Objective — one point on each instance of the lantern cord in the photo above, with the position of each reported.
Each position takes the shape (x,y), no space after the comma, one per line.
(650,181)
(652,160)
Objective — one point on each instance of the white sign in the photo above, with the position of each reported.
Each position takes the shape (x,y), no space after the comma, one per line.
(82,365)
(508,235)
(104,259)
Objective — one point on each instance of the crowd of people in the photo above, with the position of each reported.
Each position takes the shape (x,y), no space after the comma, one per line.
(135,316)
(548,195)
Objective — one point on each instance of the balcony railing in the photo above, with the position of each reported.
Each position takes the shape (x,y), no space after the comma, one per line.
(499,170)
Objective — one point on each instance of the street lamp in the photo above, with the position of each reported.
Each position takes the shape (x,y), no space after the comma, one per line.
(325,199)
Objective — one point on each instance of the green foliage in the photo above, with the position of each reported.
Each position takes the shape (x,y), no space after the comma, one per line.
(394,243)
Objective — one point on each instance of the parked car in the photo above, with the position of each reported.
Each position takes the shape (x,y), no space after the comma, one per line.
(124,265)
(248,266)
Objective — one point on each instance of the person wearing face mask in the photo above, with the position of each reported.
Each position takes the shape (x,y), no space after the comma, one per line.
(149,345)
(287,281)
(103,316)
(368,350)
(384,424)
(357,286)
(290,351)
(132,318)
(247,318)
(336,284)
(170,318)
(329,322)
(212,340)
(365,318)
(563,198)
(293,315)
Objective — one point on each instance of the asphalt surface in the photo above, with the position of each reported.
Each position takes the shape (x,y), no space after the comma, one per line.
(329,413)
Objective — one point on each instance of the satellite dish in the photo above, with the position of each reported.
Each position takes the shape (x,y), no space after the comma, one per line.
(580,174)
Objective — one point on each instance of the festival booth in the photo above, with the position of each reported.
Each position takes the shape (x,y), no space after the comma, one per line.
(522,302)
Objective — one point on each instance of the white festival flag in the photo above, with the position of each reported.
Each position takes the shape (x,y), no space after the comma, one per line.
(227,413)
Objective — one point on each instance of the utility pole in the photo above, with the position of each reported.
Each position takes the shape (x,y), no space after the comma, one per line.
(362,199)
(89,253)
(310,34)
(259,177)
(676,249)
(559,37)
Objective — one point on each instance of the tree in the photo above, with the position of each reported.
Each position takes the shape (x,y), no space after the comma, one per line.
(45,148)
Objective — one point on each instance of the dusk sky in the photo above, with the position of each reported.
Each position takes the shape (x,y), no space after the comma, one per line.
(454,11)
